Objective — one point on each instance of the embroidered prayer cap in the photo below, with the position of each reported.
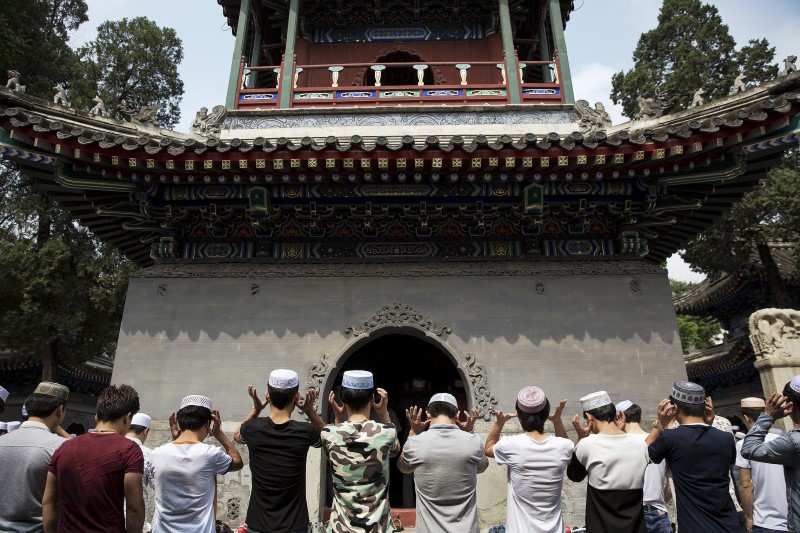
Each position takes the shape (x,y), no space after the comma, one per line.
(4,394)
(358,379)
(283,379)
(531,399)
(722,424)
(444,397)
(595,400)
(795,383)
(52,389)
(12,426)
(3,426)
(141,419)
(688,392)
(753,403)
(196,399)
(624,405)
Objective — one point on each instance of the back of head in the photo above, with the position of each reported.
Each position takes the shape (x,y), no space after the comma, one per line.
(115,402)
(606,413)
(443,404)
(689,398)
(283,386)
(358,388)
(43,405)
(792,391)
(599,405)
(633,414)
(193,417)
(533,408)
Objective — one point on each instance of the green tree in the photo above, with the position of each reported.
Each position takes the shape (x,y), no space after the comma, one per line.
(690,49)
(132,61)
(771,213)
(697,333)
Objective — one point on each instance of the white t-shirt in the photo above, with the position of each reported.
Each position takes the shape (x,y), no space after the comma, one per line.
(769,490)
(535,477)
(654,476)
(186,483)
(147,479)
(614,462)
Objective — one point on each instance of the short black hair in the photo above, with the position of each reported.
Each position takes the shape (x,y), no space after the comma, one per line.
(690,409)
(442,408)
(605,413)
(792,394)
(280,398)
(356,398)
(115,402)
(633,414)
(42,405)
(752,412)
(193,417)
(137,429)
(534,421)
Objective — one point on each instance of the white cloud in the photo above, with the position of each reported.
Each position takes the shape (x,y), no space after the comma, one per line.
(679,270)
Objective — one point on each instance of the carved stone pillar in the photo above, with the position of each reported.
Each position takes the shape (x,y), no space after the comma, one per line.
(775,336)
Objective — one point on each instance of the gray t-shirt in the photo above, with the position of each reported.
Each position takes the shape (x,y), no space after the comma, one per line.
(445,461)
(24,457)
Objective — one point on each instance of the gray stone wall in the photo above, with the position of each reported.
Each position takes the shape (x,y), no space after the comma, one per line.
(570,327)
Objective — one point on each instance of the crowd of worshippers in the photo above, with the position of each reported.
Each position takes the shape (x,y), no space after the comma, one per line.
(96,482)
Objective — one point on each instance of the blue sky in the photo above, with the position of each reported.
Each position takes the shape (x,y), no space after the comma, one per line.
(601,36)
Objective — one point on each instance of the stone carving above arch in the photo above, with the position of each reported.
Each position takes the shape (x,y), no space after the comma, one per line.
(397,314)
(479,386)
(775,333)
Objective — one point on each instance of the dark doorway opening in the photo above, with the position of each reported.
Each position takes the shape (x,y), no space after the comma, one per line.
(401,75)
(396,360)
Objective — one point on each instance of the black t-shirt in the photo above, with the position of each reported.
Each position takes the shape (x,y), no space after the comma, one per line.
(700,458)
(278,465)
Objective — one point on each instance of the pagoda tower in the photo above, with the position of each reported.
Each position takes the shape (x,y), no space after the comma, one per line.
(409,188)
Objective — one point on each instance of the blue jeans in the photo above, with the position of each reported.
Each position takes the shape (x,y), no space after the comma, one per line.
(656,521)
(759,529)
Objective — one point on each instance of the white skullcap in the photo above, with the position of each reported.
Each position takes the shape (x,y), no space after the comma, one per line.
(3,426)
(12,426)
(196,399)
(141,419)
(24,410)
(624,405)
(794,384)
(358,379)
(283,379)
(444,397)
(595,400)
(739,435)
(4,394)
(753,403)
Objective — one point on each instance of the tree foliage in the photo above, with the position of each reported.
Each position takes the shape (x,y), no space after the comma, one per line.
(133,61)
(690,49)
(697,333)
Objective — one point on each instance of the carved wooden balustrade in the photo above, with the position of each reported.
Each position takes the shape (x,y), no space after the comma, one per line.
(366,84)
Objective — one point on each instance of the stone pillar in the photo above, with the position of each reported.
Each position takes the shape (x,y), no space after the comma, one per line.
(238,49)
(287,79)
(776,343)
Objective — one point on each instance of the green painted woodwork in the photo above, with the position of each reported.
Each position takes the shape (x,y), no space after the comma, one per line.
(287,77)
(238,50)
(557,27)
(512,68)
(255,55)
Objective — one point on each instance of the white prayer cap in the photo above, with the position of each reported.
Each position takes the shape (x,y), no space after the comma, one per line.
(739,435)
(196,399)
(24,410)
(794,384)
(358,379)
(444,397)
(4,394)
(595,400)
(754,403)
(141,419)
(12,426)
(283,379)
(624,405)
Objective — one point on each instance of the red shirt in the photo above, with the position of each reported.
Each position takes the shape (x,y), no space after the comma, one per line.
(90,470)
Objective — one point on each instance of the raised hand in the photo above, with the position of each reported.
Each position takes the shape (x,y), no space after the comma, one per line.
(258,404)
(778,406)
(583,430)
(501,417)
(414,416)
(174,429)
(216,423)
(382,405)
(307,404)
(468,421)
(556,415)
(708,411)
(666,413)
(338,410)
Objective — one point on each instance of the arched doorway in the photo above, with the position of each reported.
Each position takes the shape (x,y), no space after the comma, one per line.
(396,356)
(400,75)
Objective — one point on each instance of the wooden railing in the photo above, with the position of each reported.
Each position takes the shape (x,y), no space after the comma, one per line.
(322,85)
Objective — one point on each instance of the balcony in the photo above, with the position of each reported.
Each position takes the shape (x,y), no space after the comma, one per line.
(397,84)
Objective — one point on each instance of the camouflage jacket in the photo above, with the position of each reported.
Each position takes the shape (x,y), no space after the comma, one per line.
(359,454)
